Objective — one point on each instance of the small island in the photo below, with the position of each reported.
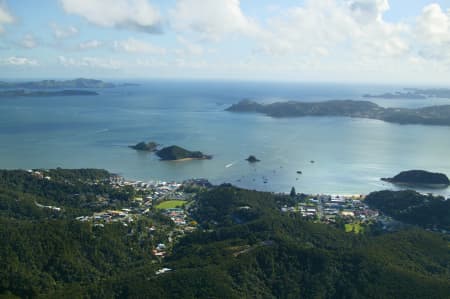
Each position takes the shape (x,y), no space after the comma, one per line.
(252,159)
(420,178)
(145,146)
(176,153)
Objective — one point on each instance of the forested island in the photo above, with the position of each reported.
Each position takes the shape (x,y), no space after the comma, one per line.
(242,245)
(63,93)
(419,177)
(51,84)
(177,153)
(433,115)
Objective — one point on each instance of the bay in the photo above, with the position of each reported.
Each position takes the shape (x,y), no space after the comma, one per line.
(350,155)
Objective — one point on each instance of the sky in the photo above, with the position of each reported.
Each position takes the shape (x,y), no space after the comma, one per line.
(376,41)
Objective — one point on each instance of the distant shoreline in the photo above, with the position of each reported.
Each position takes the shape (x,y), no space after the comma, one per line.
(431,115)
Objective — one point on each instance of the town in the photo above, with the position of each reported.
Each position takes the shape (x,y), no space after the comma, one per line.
(350,210)
(154,199)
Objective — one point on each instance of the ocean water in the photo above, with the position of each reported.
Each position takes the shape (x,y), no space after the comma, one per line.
(351,155)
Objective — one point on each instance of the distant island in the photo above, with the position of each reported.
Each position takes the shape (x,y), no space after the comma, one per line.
(433,115)
(176,153)
(51,84)
(252,159)
(419,177)
(414,94)
(396,95)
(64,93)
(145,146)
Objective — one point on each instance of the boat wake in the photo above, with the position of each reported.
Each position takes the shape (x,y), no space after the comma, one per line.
(231,164)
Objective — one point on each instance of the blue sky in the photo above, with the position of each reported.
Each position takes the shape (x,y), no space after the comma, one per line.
(376,41)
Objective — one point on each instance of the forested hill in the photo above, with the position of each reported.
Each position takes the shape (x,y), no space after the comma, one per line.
(244,248)
(414,208)
(433,115)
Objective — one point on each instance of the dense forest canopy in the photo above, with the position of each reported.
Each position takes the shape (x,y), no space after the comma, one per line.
(244,248)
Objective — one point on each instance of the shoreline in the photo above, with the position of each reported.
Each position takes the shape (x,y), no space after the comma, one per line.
(185,159)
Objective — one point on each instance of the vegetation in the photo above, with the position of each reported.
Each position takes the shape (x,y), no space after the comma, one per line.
(246,248)
(353,228)
(178,153)
(433,115)
(170,204)
(293,192)
(414,208)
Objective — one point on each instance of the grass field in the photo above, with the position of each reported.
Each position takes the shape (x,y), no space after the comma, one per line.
(170,204)
(354,227)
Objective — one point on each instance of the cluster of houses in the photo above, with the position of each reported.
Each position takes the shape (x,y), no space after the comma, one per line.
(149,194)
(177,215)
(327,207)
(124,215)
(39,174)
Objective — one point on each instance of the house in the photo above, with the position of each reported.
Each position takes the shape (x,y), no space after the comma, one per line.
(163,270)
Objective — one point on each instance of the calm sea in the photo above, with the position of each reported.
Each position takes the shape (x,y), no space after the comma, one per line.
(350,155)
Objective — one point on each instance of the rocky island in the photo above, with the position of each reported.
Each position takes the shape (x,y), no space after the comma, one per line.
(419,177)
(252,159)
(433,115)
(145,146)
(176,153)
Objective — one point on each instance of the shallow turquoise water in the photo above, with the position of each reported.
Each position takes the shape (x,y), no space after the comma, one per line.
(350,154)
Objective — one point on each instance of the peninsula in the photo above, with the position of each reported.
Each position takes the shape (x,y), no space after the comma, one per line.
(54,84)
(62,93)
(419,177)
(176,153)
(432,115)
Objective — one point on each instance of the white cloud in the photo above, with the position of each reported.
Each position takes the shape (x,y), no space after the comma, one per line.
(369,10)
(5,17)
(189,48)
(90,44)
(131,14)
(29,41)
(432,36)
(90,62)
(19,61)
(211,19)
(345,30)
(132,45)
(433,25)
(64,32)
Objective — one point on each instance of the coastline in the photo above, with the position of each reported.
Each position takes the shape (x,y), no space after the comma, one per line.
(186,159)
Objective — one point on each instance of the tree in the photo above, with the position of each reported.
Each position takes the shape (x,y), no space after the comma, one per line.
(293,193)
